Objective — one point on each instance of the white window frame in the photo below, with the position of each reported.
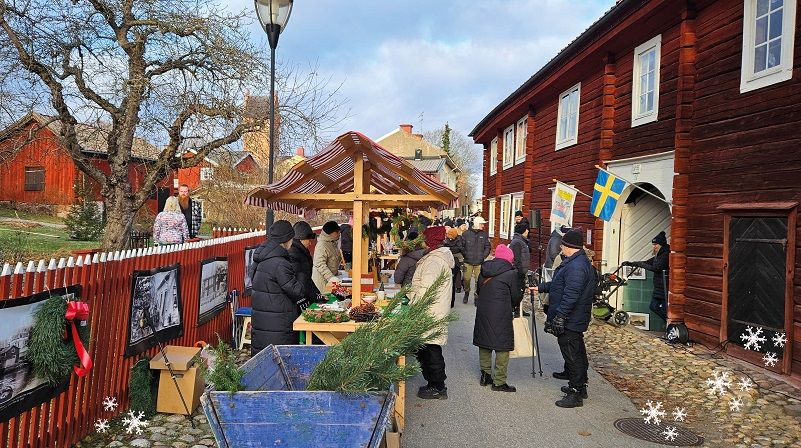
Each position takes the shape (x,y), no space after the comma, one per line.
(491,217)
(494,157)
(521,134)
(506,205)
(638,118)
(569,140)
(509,146)
(784,71)
(206,173)
(517,204)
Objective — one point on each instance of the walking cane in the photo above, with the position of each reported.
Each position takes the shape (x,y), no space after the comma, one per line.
(535,220)
(536,338)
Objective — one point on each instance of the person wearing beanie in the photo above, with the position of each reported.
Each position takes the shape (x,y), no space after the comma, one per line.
(477,248)
(520,219)
(278,294)
(453,241)
(659,264)
(300,255)
(521,248)
(327,257)
(571,292)
(498,295)
(434,263)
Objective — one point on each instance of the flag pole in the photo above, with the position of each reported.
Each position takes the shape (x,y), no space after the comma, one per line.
(574,188)
(634,185)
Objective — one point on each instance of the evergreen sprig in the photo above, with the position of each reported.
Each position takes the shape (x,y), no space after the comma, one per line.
(367,359)
(52,356)
(224,375)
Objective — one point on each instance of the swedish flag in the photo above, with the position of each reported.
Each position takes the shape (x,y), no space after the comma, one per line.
(606,194)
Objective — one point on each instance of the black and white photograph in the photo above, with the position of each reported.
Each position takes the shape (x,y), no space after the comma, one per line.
(633,273)
(213,288)
(20,388)
(249,251)
(155,308)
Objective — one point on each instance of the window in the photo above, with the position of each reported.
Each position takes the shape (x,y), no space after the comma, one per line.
(520,140)
(494,156)
(34,178)
(645,82)
(203,214)
(491,218)
(517,204)
(508,146)
(206,173)
(568,116)
(768,30)
(506,204)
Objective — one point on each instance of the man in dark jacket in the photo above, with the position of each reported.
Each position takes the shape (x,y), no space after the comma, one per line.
(477,247)
(659,265)
(346,244)
(302,259)
(277,293)
(569,315)
(407,263)
(454,242)
(522,261)
(498,294)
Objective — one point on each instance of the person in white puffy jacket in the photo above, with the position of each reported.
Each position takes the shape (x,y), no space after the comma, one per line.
(326,256)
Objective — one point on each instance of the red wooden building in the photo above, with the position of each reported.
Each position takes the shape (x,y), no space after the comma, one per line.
(35,167)
(697,102)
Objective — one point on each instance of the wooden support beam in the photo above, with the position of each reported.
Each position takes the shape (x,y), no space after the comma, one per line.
(350,197)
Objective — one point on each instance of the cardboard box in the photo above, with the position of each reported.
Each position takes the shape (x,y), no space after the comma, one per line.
(187,375)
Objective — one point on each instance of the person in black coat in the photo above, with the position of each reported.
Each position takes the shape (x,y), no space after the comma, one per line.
(522,251)
(302,260)
(277,292)
(453,241)
(659,264)
(407,263)
(569,314)
(498,294)
(346,244)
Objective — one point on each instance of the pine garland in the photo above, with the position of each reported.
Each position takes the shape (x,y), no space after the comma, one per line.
(224,375)
(140,388)
(51,355)
(367,359)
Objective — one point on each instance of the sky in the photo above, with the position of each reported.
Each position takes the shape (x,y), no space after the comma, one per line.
(426,62)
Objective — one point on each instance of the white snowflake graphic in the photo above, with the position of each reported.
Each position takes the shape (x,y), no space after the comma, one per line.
(719,384)
(753,338)
(670,433)
(110,403)
(735,404)
(770,359)
(779,339)
(101,426)
(653,412)
(679,414)
(745,384)
(135,423)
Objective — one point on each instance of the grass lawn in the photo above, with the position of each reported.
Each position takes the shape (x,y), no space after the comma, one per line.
(31,242)
(11,213)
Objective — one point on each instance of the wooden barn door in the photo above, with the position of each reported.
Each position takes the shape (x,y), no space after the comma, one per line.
(758,290)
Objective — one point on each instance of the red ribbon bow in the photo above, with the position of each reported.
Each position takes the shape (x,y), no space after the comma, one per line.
(79,310)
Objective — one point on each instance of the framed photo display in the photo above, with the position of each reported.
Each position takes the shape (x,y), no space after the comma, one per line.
(213,288)
(155,308)
(249,251)
(20,388)
(633,273)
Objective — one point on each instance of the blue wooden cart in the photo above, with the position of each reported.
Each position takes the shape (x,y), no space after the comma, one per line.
(275,410)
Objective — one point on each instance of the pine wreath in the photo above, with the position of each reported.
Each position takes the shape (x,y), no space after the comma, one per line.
(140,388)
(53,356)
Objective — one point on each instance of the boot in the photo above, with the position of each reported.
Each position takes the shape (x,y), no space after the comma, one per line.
(582,391)
(504,388)
(561,375)
(486,379)
(464,299)
(571,400)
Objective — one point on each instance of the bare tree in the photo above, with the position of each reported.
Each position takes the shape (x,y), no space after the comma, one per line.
(166,71)
(464,153)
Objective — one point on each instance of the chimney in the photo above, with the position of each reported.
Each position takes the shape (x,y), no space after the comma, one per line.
(407,128)
(300,152)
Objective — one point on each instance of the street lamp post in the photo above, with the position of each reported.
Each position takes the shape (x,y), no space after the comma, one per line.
(273,16)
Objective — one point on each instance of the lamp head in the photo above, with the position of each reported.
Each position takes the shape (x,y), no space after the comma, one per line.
(273,16)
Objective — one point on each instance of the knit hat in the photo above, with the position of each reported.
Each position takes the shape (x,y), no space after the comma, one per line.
(521,227)
(452,233)
(303,231)
(660,239)
(459,222)
(424,220)
(281,231)
(519,213)
(573,239)
(434,237)
(504,253)
(330,227)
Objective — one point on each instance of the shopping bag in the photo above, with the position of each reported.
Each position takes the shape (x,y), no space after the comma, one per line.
(524,347)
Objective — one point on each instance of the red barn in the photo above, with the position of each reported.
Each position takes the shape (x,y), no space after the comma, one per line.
(37,169)
(696,102)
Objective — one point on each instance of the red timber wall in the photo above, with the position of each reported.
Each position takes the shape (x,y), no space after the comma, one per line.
(745,151)
(105,281)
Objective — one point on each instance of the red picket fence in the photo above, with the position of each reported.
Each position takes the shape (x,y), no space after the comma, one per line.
(106,286)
